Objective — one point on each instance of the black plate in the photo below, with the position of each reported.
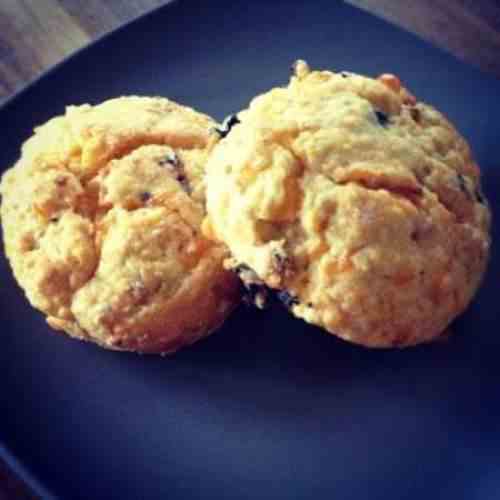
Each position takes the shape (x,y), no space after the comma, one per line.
(268,407)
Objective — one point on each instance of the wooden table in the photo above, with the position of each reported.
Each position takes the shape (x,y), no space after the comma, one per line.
(35,34)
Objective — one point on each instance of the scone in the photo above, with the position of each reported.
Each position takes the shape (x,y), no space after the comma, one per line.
(101,218)
(361,206)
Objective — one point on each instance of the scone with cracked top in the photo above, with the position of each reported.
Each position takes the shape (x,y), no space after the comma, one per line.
(101,218)
(360,205)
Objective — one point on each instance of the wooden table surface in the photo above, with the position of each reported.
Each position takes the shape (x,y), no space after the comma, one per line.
(35,34)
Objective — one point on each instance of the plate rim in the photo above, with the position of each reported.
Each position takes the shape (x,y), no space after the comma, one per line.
(13,464)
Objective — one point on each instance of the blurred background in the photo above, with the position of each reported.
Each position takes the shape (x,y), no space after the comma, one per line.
(36,34)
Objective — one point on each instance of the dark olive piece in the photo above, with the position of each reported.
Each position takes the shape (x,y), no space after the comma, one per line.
(415,114)
(463,185)
(480,197)
(287,299)
(172,162)
(383,119)
(226,126)
(145,196)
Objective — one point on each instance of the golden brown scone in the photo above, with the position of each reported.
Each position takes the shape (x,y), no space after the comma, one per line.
(360,205)
(101,218)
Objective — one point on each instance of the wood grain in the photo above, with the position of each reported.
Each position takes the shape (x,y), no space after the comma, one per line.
(35,34)
(470,29)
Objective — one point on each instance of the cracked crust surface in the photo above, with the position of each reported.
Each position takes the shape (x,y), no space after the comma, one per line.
(101,218)
(359,202)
